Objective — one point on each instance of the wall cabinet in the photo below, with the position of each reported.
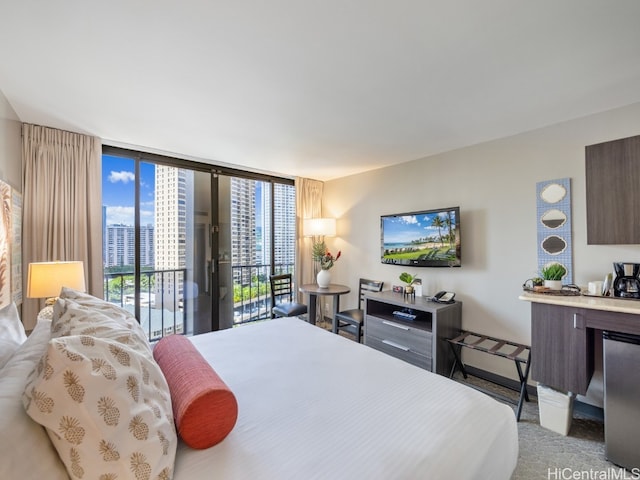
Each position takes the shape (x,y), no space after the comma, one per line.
(421,342)
(612,171)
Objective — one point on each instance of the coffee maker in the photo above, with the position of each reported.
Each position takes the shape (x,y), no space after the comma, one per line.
(627,282)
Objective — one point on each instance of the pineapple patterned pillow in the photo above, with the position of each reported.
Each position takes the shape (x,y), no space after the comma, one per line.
(73,318)
(106,409)
(81,313)
(98,305)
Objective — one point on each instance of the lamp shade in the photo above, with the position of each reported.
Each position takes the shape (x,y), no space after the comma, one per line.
(317,227)
(46,279)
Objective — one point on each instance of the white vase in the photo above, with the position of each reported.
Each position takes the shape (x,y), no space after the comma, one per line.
(323,278)
(553,284)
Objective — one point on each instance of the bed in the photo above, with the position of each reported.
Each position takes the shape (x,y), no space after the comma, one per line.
(310,405)
(313,404)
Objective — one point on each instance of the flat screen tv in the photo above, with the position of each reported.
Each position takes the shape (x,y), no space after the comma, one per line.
(429,238)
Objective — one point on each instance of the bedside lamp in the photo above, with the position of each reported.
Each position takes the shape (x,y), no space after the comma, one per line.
(46,279)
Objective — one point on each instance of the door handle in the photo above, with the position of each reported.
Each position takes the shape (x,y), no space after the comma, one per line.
(578,323)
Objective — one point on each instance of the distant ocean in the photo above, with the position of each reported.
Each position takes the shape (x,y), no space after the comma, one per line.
(397,245)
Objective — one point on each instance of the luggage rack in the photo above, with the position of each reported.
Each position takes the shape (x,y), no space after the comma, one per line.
(520,354)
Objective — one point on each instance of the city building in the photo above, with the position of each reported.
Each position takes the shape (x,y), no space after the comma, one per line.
(119,246)
(173,232)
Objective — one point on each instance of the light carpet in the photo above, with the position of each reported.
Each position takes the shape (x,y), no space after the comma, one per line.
(545,454)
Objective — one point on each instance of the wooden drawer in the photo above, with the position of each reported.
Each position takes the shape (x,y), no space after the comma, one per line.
(414,339)
(399,351)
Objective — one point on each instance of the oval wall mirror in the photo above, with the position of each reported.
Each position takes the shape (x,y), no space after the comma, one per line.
(554,245)
(553,218)
(553,193)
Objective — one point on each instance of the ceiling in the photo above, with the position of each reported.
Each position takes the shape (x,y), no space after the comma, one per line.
(320,89)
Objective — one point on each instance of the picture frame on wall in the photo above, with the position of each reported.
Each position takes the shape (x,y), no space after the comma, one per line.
(10,245)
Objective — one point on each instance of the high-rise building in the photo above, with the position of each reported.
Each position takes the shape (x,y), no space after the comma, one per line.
(173,229)
(119,249)
(104,235)
(243,228)
(284,216)
(251,226)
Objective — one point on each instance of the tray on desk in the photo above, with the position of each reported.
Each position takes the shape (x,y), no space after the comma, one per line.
(567,291)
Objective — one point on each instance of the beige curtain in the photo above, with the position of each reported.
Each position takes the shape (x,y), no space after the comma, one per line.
(308,205)
(62,211)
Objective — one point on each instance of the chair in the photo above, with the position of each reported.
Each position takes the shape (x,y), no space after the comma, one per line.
(282,304)
(352,320)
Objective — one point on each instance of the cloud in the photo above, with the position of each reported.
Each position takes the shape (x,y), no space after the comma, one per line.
(121,176)
(409,219)
(119,215)
(147,217)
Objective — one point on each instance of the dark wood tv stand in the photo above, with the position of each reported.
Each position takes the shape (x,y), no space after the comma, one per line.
(421,342)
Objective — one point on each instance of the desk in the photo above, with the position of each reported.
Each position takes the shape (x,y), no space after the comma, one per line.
(313,290)
(563,335)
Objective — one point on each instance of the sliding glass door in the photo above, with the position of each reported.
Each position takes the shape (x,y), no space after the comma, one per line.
(189,249)
(157,248)
(257,238)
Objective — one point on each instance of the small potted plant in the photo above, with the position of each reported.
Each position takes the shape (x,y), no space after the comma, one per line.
(552,275)
(537,284)
(409,280)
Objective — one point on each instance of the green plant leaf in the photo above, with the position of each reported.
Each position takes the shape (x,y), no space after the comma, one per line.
(554,271)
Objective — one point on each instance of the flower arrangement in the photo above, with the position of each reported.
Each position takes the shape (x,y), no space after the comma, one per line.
(322,255)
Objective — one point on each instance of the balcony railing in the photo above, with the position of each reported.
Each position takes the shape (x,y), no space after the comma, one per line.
(162,299)
(252,292)
(165,296)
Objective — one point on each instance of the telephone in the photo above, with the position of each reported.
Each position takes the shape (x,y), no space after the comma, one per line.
(444,297)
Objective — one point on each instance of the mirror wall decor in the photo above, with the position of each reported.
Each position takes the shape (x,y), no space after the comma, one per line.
(553,202)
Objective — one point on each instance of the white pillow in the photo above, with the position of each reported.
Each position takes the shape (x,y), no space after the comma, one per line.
(99,305)
(101,395)
(105,408)
(106,308)
(25,448)
(12,333)
(73,318)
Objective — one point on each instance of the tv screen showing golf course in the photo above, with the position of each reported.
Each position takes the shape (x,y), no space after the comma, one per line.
(428,238)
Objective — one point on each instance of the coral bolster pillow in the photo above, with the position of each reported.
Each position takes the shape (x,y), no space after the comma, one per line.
(204,408)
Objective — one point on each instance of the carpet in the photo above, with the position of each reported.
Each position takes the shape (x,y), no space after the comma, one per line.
(545,454)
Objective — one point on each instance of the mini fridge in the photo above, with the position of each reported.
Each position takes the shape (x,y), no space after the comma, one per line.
(622,398)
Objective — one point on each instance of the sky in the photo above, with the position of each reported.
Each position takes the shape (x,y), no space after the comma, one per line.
(118,190)
(403,228)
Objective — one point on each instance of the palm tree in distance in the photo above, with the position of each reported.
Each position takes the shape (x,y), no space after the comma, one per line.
(449,224)
(438,223)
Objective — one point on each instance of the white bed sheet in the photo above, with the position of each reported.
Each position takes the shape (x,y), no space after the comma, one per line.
(314,405)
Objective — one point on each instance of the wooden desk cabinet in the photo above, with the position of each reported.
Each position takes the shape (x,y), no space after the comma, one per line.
(564,331)
(561,347)
(421,342)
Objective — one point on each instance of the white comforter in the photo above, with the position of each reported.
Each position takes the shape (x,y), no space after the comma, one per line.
(314,405)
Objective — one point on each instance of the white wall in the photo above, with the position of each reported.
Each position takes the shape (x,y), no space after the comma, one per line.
(10,145)
(494,184)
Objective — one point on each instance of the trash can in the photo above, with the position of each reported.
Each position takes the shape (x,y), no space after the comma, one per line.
(556,409)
